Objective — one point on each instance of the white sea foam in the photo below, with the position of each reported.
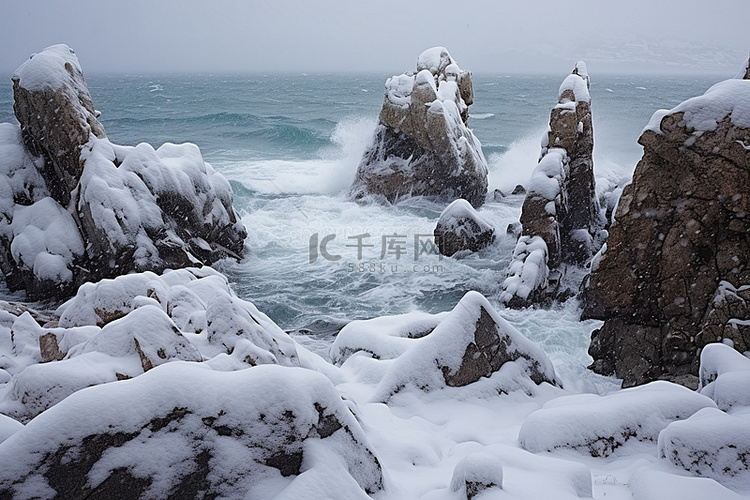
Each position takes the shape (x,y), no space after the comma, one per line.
(515,166)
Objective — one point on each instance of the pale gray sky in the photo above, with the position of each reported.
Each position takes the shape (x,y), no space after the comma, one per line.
(492,36)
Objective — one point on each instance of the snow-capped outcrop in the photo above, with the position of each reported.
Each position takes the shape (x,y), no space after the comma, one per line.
(561,206)
(471,342)
(680,230)
(461,229)
(422,145)
(119,329)
(57,117)
(183,430)
(79,208)
(599,425)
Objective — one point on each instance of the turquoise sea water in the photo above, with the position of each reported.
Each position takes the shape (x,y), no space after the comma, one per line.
(290,144)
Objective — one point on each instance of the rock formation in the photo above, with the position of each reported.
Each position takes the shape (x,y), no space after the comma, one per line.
(678,247)
(121,328)
(461,228)
(561,217)
(422,146)
(78,208)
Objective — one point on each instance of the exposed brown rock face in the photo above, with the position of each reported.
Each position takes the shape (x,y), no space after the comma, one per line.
(561,206)
(422,146)
(681,228)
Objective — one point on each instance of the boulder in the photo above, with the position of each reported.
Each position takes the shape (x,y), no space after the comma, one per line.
(710,444)
(422,145)
(680,231)
(199,434)
(79,208)
(460,228)
(561,206)
(472,342)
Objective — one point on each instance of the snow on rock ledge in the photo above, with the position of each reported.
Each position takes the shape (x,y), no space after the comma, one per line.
(461,229)
(470,343)
(422,146)
(599,425)
(79,208)
(199,434)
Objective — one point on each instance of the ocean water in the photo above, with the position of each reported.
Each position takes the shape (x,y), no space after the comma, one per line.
(290,145)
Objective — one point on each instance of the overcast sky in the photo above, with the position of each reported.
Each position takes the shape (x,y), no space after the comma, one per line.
(492,36)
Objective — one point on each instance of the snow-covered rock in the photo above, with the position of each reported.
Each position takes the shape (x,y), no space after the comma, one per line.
(528,273)
(680,230)
(8,427)
(183,430)
(599,425)
(461,228)
(561,205)
(119,329)
(471,342)
(57,117)
(711,444)
(728,317)
(79,208)
(476,473)
(385,337)
(422,145)
(725,376)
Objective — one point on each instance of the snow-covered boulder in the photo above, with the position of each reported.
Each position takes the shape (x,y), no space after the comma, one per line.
(599,425)
(725,376)
(680,229)
(460,228)
(422,145)
(711,444)
(198,434)
(561,205)
(119,329)
(79,208)
(471,342)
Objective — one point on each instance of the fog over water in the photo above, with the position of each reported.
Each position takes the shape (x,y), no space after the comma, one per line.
(638,36)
